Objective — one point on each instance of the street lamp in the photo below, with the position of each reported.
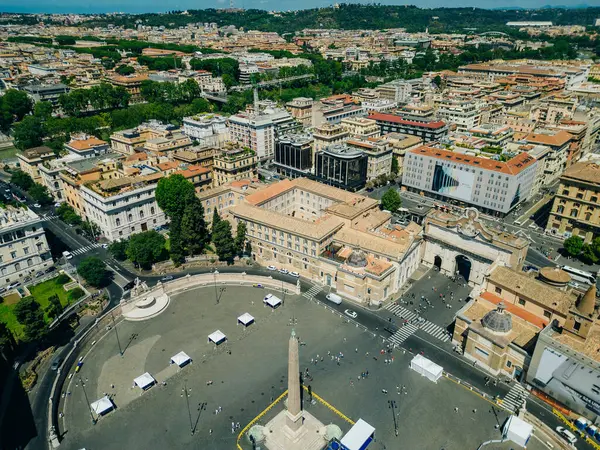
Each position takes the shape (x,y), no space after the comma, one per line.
(392,404)
(215,279)
(186,392)
(87,401)
(116,333)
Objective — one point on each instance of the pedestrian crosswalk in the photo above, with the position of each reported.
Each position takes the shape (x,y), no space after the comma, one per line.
(430,328)
(515,397)
(85,249)
(405,331)
(312,292)
(49,216)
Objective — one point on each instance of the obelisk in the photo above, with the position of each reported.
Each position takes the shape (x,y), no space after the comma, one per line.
(294,410)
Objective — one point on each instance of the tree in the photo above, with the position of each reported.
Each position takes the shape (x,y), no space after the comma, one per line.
(240,238)
(194,234)
(596,246)
(125,70)
(216,218)
(40,194)
(93,270)
(391,200)
(7,342)
(173,194)
(21,179)
(28,133)
(91,229)
(146,248)
(573,245)
(67,214)
(118,249)
(223,240)
(395,166)
(54,307)
(588,255)
(43,110)
(30,315)
(17,103)
(176,250)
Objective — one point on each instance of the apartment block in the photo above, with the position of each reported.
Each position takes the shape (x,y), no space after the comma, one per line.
(31,159)
(234,163)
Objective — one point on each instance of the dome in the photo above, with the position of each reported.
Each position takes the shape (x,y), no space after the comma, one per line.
(498,320)
(357,259)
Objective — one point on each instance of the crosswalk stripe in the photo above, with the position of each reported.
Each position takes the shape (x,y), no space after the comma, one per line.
(314,290)
(430,328)
(403,333)
(515,397)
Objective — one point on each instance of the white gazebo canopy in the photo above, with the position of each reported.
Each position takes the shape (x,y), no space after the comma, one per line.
(181,359)
(145,381)
(246,319)
(427,368)
(272,300)
(217,337)
(102,406)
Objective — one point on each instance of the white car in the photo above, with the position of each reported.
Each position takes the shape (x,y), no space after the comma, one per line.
(566,434)
(351,313)
(283,271)
(37,205)
(104,246)
(295,274)
(67,254)
(271,268)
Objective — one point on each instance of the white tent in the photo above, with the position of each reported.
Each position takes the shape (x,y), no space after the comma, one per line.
(181,359)
(517,430)
(427,368)
(246,319)
(217,337)
(102,406)
(145,381)
(359,436)
(272,300)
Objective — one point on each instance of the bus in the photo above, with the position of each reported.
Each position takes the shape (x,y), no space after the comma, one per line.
(580,275)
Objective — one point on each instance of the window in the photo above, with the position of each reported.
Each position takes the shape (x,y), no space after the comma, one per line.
(547,314)
(13,255)
(498,290)
(26,250)
(522,302)
(508,364)
(481,353)
(577,326)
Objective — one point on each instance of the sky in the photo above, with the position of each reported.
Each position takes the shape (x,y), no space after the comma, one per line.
(140,6)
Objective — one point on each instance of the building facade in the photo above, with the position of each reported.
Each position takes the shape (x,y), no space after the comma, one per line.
(342,167)
(294,155)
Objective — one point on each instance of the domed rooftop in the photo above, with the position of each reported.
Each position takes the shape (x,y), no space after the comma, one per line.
(554,275)
(498,320)
(357,259)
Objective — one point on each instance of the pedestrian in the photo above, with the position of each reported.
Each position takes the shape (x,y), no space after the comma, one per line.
(474,410)
(321,359)
(384,391)
(216,411)
(112,386)
(356,350)
(232,425)
(237,425)
(456,409)
(367,373)
(210,431)
(220,409)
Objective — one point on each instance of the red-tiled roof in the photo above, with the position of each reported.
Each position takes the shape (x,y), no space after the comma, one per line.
(515,310)
(397,119)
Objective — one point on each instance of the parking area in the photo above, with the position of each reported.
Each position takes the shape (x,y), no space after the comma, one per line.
(235,381)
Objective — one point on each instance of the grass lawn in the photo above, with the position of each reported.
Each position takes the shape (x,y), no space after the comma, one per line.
(8,153)
(41,293)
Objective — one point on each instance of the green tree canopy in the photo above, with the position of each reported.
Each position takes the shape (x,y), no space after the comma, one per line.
(40,194)
(194,234)
(146,248)
(173,193)
(43,110)
(391,200)
(28,133)
(240,238)
(216,218)
(588,255)
(223,240)
(30,315)
(17,103)
(118,249)
(573,245)
(124,69)
(93,270)
(21,179)
(54,307)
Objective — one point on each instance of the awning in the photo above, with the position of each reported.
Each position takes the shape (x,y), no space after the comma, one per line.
(272,300)
(102,406)
(181,359)
(359,436)
(246,319)
(145,381)
(217,337)
(426,368)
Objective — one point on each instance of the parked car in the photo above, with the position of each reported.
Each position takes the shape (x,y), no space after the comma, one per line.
(39,274)
(13,285)
(105,246)
(351,313)
(295,274)
(37,205)
(334,298)
(568,435)
(271,268)
(283,271)
(167,278)
(67,254)
(50,269)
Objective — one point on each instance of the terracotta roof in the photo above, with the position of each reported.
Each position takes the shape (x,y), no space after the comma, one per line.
(269,192)
(369,242)
(515,310)
(584,171)
(168,165)
(512,167)
(86,144)
(397,119)
(556,140)
(137,157)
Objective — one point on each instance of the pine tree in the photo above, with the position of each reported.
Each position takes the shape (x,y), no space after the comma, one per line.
(223,240)
(194,234)
(240,238)
(216,218)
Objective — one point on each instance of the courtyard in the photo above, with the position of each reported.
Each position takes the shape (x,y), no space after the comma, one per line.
(234,382)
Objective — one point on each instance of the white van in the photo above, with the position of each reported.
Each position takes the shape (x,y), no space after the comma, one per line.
(334,298)
(567,434)
(67,254)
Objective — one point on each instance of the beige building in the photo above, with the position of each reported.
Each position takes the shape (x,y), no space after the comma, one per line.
(379,155)
(31,159)
(331,236)
(152,136)
(360,127)
(86,146)
(234,163)
(23,246)
(328,134)
(301,109)
(576,209)
(224,197)
(401,143)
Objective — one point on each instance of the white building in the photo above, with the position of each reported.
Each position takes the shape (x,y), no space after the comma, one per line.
(23,246)
(204,126)
(123,206)
(464,114)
